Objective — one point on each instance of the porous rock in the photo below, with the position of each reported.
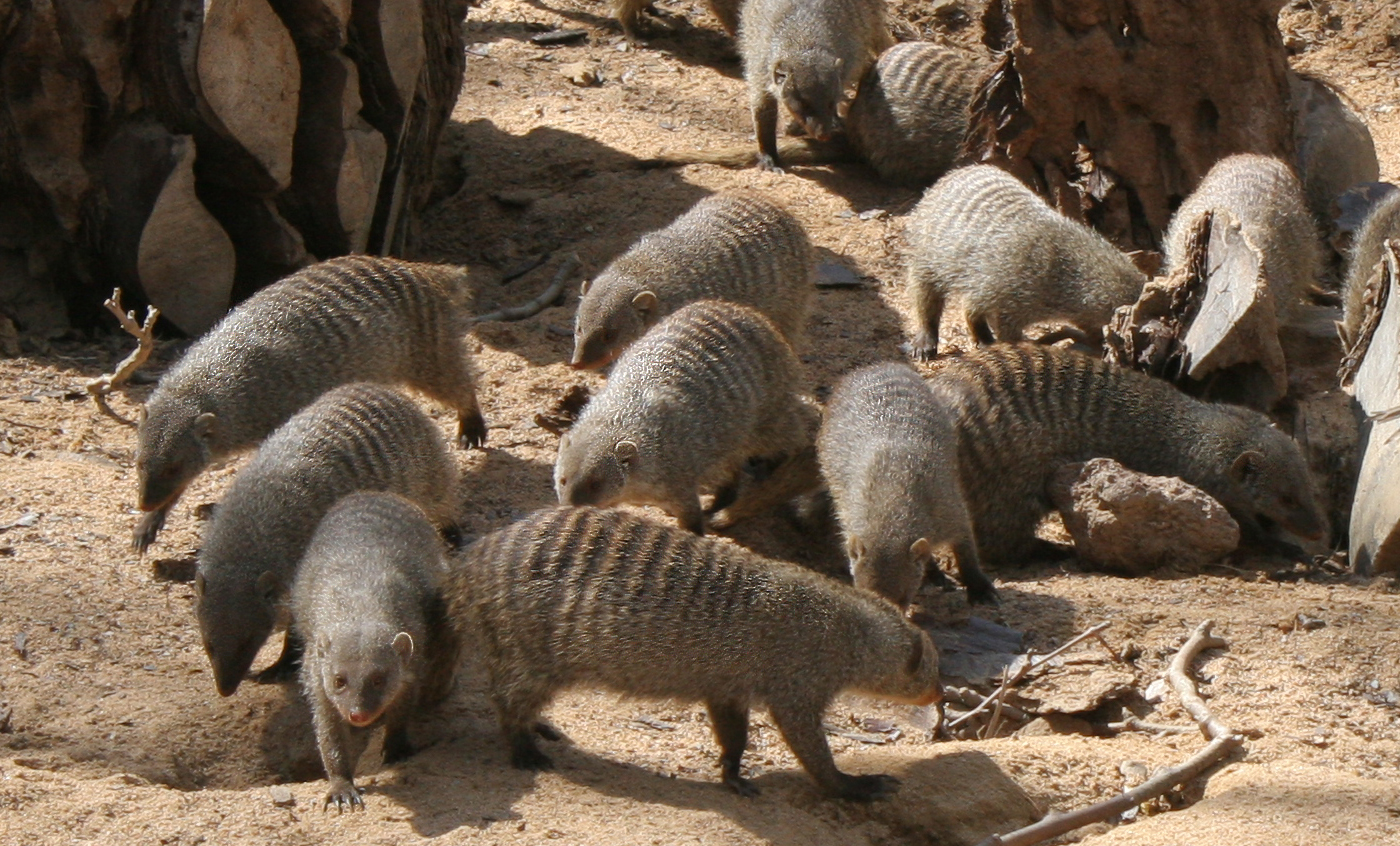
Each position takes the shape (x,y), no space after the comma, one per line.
(1132,523)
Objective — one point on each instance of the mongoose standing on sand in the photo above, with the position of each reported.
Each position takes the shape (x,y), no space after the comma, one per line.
(709,387)
(1026,410)
(367,601)
(629,14)
(358,437)
(980,234)
(356,318)
(586,596)
(1264,196)
(889,454)
(1382,224)
(804,54)
(734,246)
(910,114)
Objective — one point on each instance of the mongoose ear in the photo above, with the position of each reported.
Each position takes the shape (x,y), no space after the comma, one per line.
(921,549)
(204,425)
(1247,464)
(780,74)
(644,303)
(626,451)
(583,289)
(855,550)
(267,586)
(403,645)
(839,62)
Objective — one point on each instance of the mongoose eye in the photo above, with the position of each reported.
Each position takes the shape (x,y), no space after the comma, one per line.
(376,680)
(338,682)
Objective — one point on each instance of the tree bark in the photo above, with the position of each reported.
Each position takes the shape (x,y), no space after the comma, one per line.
(1117,108)
(192,151)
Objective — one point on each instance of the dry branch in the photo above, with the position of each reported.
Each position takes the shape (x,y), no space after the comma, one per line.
(538,304)
(1025,670)
(1222,743)
(103,385)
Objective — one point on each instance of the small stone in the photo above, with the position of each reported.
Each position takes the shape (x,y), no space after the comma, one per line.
(281,796)
(1157,691)
(1131,523)
(831,274)
(582,74)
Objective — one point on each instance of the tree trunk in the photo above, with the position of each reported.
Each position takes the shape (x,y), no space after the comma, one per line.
(1117,108)
(191,151)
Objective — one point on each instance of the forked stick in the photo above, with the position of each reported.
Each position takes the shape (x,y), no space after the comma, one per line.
(538,304)
(1222,743)
(103,385)
(1025,670)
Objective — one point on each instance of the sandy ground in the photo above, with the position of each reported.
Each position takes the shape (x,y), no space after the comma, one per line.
(112,731)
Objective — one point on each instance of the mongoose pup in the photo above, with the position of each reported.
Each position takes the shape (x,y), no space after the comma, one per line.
(1381,224)
(709,387)
(587,596)
(889,454)
(358,437)
(804,54)
(1025,410)
(356,318)
(733,246)
(1013,260)
(1264,195)
(367,601)
(910,114)
(629,14)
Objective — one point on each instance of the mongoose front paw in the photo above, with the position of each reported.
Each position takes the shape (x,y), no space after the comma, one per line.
(868,788)
(769,163)
(146,530)
(471,431)
(344,796)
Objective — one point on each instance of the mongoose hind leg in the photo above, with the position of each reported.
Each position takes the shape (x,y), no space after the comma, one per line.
(148,527)
(980,590)
(928,312)
(980,327)
(471,428)
(801,726)
(731,725)
(287,665)
(765,123)
(519,709)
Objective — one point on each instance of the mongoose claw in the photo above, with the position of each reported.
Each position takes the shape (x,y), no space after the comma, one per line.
(921,350)
(982,594)
(345,797)
(868,788)
(741,786)
(146,529)
(471,431)
(769,163)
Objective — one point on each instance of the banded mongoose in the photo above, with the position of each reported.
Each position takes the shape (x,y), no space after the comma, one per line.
(358,437)
(588,596)
(629,14)
(889,454)
(356,318)
(1025,410)
(1264,196)
(981,234)
(910,114)
(734,246)
(709,387)
(804,54)
(907,121)
(1381,224)
(1334,149)
(367,601)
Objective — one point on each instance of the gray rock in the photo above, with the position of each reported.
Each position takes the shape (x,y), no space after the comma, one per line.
(1131,523)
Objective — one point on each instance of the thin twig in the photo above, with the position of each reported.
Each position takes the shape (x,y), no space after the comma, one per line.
(990,730)
(1222,743)
(538,304)
(103,385)
(1134,724)
(1026,669)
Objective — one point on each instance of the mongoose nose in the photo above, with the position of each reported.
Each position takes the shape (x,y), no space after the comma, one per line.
(360,719)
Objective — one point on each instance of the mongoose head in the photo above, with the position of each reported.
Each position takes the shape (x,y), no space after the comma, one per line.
(172,447)
(812,85)
(608,320)
(908,669)
(234,622)
(362,677)
(591,472)
(1268,482)
(893,567)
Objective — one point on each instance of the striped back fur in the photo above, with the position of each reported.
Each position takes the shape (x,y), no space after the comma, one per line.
(734,246)
(710,386)
(1381,224)
(910,115)
(1264,195)
(889,454)
(1025,410)
(356,318)
(585,596)
(982,235)
(357,437)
